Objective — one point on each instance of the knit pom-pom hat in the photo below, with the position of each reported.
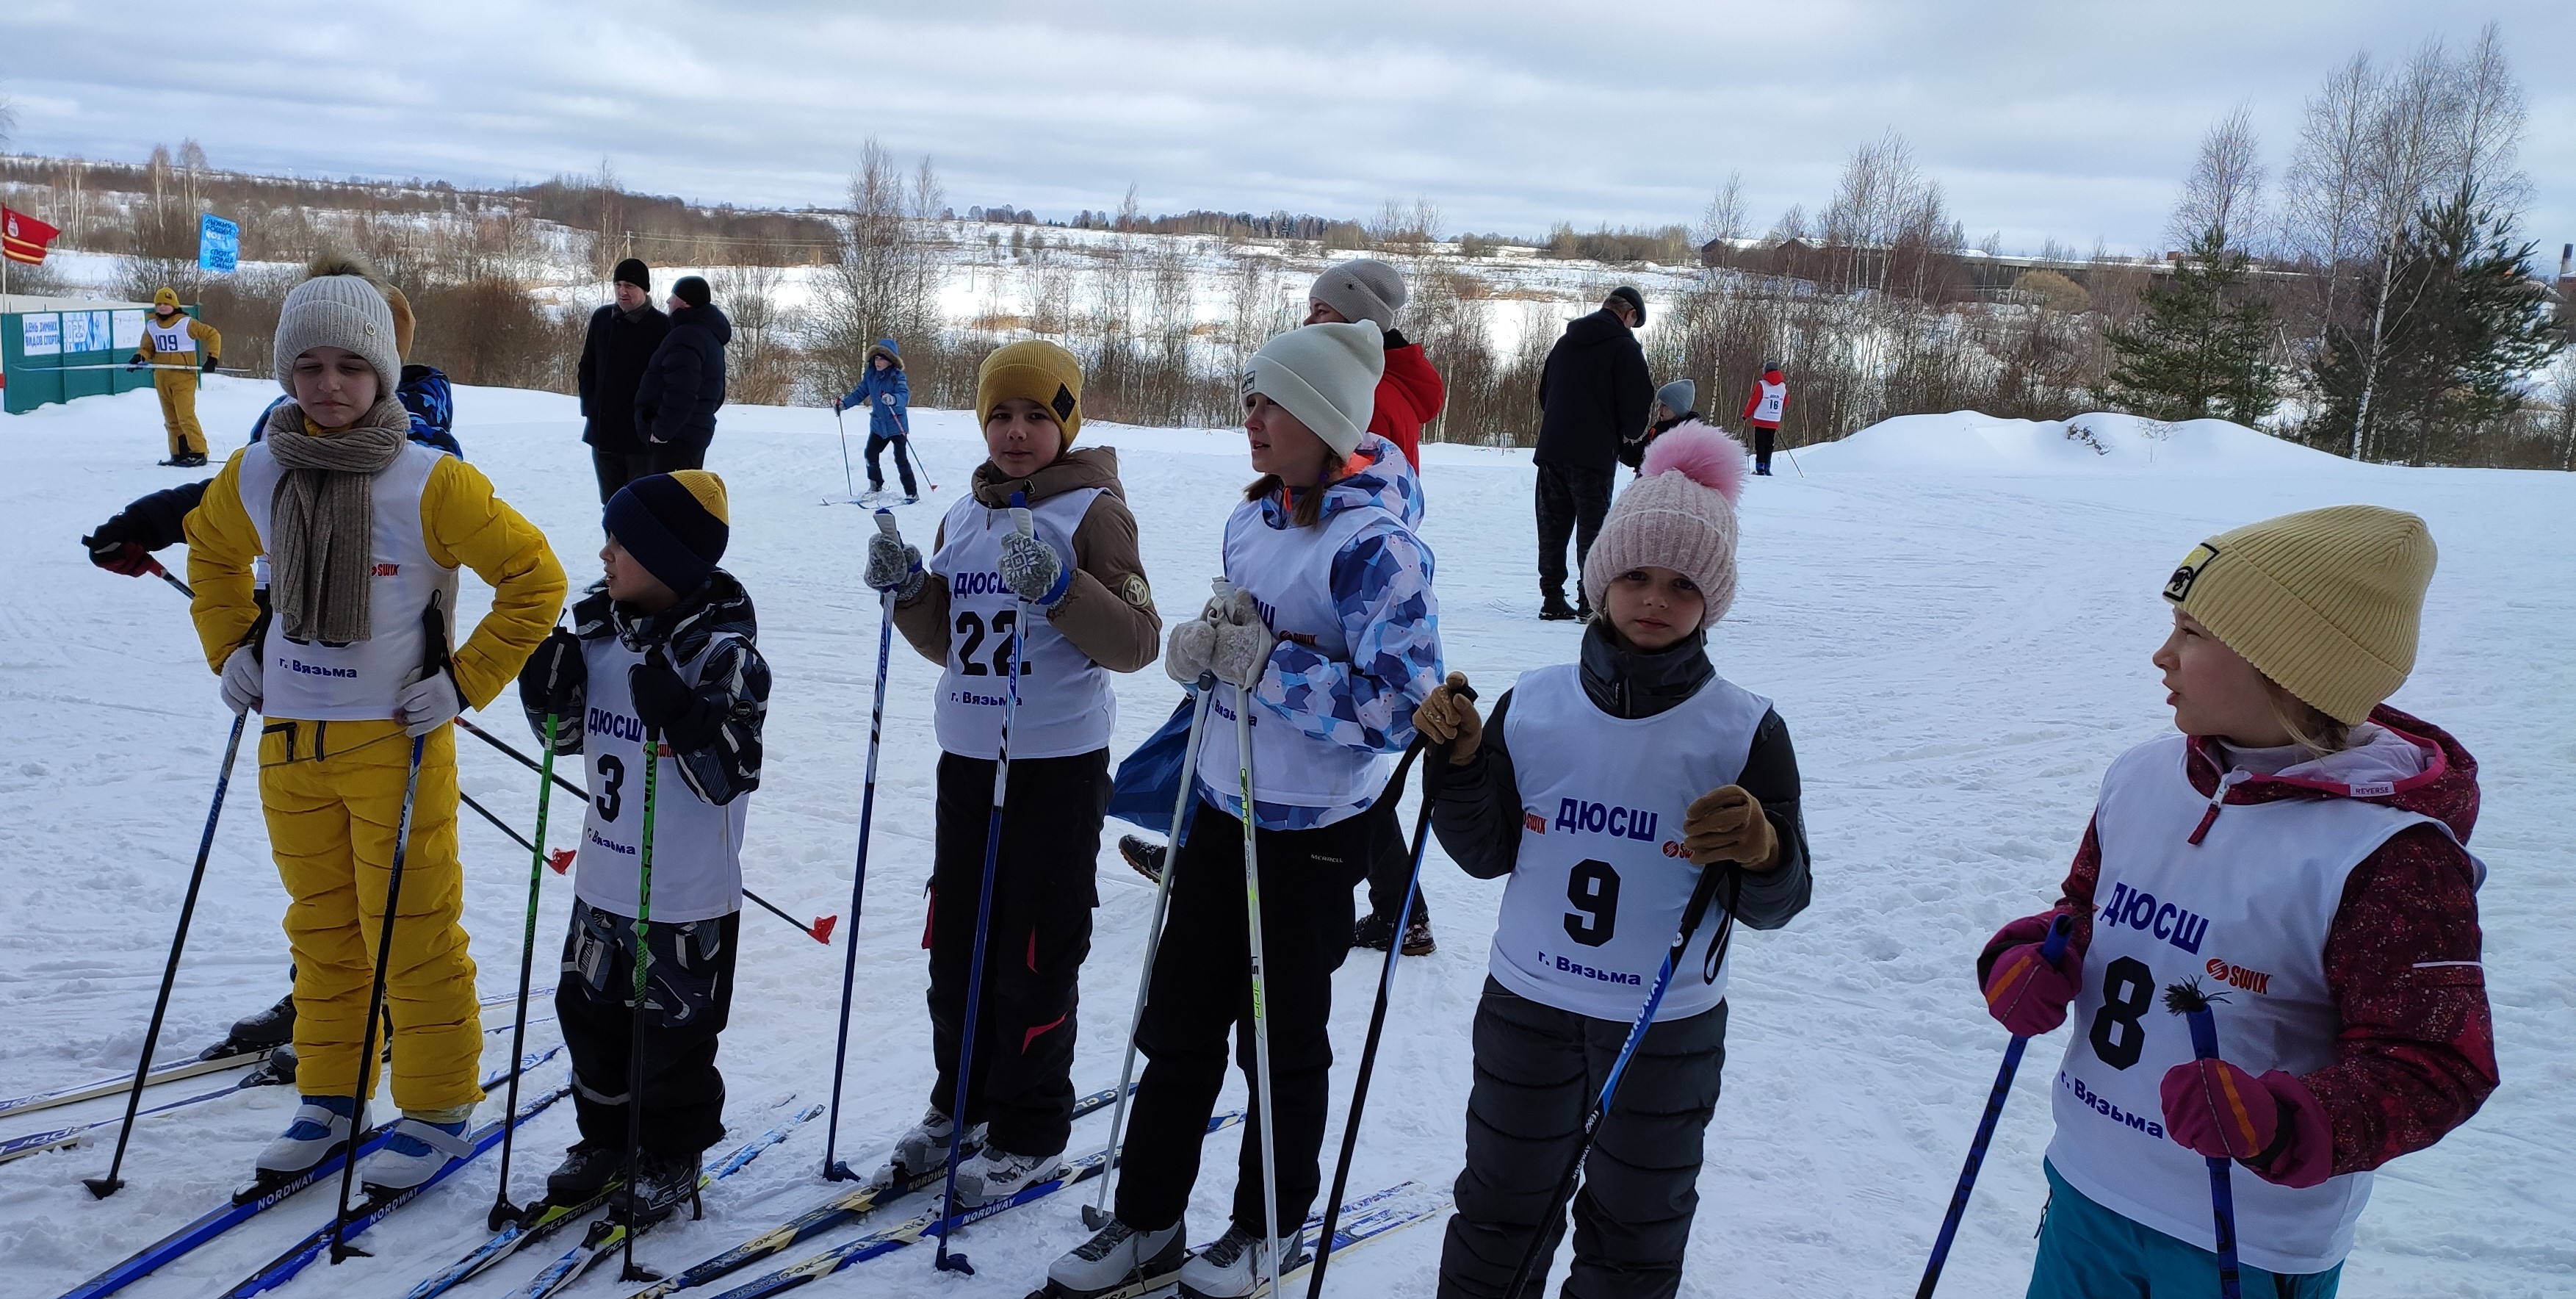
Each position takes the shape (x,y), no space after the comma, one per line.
(1678,514)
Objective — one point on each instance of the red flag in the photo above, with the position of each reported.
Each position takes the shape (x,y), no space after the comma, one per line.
(23,238)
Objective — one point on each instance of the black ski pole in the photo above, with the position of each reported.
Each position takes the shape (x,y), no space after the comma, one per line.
(2060,932)
(103,1187)
(833,1169)
(1434,767)
(434,660)
(165,575)
(502,1210)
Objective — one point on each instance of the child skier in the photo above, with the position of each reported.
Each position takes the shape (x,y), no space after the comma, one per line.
(884,392)
(1763,407)
(663,646)
(1673,408)
(1076,589)
(170,345)
(1334,633)
(2304,845)
(1616,792)
(342,668)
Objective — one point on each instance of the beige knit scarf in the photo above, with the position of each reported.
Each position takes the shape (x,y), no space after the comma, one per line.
(321,544)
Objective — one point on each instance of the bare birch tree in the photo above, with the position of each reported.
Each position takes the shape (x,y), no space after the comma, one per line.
(2224,190)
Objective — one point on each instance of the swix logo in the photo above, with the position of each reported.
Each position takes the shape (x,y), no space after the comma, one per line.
(1674,849)
(387,570)
(2167,921)
(1601,818)
(1533,822)
(2237,976)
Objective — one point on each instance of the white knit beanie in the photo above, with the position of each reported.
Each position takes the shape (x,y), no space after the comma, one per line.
(1326,376)
(337,310)
(1678,514)
(1363,288)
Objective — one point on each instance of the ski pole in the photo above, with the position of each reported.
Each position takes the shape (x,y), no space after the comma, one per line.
(819,928)
(2060,931)
(643,963)
(153,566)
(947,1260)
(847,485)
(1700,897)
(103,1187)
(2187,1000)
(1435,766)
(1096,1215)
(905,426)
(833,1169)
(502,1210)
(434,629)
(1267,1108)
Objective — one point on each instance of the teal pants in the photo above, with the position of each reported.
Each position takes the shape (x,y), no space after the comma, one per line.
(2089,1252)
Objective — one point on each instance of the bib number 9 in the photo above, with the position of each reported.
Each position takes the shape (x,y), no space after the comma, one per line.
(2128,992)
(1592,889)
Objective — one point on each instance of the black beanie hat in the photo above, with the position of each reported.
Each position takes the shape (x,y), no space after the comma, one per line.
(673,524)
(1636,302)
(691,290)
(633,271)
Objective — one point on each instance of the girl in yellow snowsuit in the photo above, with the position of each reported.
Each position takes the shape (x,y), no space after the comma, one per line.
(172,339)
(336,669)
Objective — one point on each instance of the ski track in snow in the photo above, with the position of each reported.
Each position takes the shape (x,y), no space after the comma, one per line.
(1954,614)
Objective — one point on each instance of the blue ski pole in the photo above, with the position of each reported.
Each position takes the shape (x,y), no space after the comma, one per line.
(947,1260)
(2187,1000)
(2059,932)
(833,1169)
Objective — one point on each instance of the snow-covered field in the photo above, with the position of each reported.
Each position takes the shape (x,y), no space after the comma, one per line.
(1954,614)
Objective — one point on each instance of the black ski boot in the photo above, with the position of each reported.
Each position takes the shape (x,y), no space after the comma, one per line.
(1144,856)
(1553,608)
(184,460)
(587,1170)
(662,1183)
(278,1070)
(274,1026)
(1373,932)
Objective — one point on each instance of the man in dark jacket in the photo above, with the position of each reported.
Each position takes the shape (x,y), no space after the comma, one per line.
(622,338)
(1592,397)
(675,405)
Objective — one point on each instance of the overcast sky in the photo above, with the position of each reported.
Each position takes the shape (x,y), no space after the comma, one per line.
(2064,120)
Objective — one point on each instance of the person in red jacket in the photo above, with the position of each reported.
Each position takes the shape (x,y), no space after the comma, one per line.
(1411,393)
(1762,409)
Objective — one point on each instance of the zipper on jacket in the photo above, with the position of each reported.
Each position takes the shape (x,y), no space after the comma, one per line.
(2217,800)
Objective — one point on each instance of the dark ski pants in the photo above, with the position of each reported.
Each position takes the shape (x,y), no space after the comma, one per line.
(1390,866)
(1762,440)
(878,442)
(1202,994)
(618,468)
(686,1003)
(1043,891)
(1538,1070)
(1571,503)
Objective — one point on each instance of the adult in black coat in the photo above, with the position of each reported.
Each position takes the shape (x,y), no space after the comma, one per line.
(621,341)
(1594,395)
(675,406)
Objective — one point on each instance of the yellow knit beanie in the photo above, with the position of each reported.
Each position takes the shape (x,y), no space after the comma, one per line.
(1038,370)
(2324,602)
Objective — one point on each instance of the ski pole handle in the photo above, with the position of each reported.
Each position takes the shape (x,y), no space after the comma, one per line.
(2061,932)
(1020,521)
(885,523)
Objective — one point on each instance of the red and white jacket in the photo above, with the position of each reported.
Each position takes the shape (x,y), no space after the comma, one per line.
(1768,401)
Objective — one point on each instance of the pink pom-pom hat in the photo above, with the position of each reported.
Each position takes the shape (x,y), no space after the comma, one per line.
(1678,514)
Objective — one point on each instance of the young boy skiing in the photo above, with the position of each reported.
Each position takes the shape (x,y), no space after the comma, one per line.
(1333,634)
(1072,600)
(2300,851)
(1629,796)
(662,648)
(1763,408)
(1673,408)
(343,667)
(885,393)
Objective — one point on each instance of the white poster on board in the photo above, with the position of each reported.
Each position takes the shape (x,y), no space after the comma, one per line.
(75,333)
(128,328)
(40,334)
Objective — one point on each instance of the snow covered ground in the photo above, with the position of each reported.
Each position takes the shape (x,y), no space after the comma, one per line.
(1954,613)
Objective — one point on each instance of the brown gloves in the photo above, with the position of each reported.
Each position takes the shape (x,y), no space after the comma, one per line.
(1447,715)
(1727,825)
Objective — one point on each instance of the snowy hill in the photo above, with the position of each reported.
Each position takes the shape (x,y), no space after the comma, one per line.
(1954,614)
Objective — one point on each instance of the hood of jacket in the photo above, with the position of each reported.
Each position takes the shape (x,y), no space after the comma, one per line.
(1410,377)
(1627,682)
(885,347)
(1376,474)
(718,607)
(710,318)
(1076,469)
(1596,329)
(1773,375)
(2443,783)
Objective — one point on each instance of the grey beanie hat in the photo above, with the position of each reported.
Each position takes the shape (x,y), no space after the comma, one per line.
(337,310)
(1363,288)
(1678,396)
(1325,375)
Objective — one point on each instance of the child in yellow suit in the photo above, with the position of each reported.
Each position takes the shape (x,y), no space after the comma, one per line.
(172,338)
(336,668)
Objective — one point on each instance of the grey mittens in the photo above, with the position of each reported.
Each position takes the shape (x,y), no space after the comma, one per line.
(1031,568)
(892,565)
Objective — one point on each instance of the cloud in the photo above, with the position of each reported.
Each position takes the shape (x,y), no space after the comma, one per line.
(2041,121)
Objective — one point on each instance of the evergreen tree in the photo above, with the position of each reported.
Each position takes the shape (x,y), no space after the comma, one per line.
(2203,348)
(2467,322)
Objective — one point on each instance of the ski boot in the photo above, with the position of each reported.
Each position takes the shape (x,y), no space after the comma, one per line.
(272,1027)
(662,1182)
(1232,1267)
(1117,1260)
(413,1153)
(586,1171)
(320,1130)
(923,1147)
(1373,932)
(1143,856)
(993,1173)
(278,1070)
(1553,608)
(184,460)
(1417,939)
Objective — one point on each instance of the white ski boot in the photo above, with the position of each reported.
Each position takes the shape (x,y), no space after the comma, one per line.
(1118,1257)
(413,1153)
(1233,1267)
(320,1130)
(993,1173)
(923,1147)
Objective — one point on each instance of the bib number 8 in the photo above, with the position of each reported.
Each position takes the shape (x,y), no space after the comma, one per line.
(1592,889)
(2128,992)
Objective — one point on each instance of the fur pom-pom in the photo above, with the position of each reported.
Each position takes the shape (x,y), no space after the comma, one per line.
(1707,455)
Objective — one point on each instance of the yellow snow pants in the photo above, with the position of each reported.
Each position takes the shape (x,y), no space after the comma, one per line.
(333,795)
(178,389)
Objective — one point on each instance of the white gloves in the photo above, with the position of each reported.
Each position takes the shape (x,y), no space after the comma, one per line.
(1228,638)
(1030,567)
(243,685)
(427,704)
(1188,648)
(892,565)
(1242,652)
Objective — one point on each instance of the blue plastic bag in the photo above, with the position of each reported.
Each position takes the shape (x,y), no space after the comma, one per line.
(1149,779)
